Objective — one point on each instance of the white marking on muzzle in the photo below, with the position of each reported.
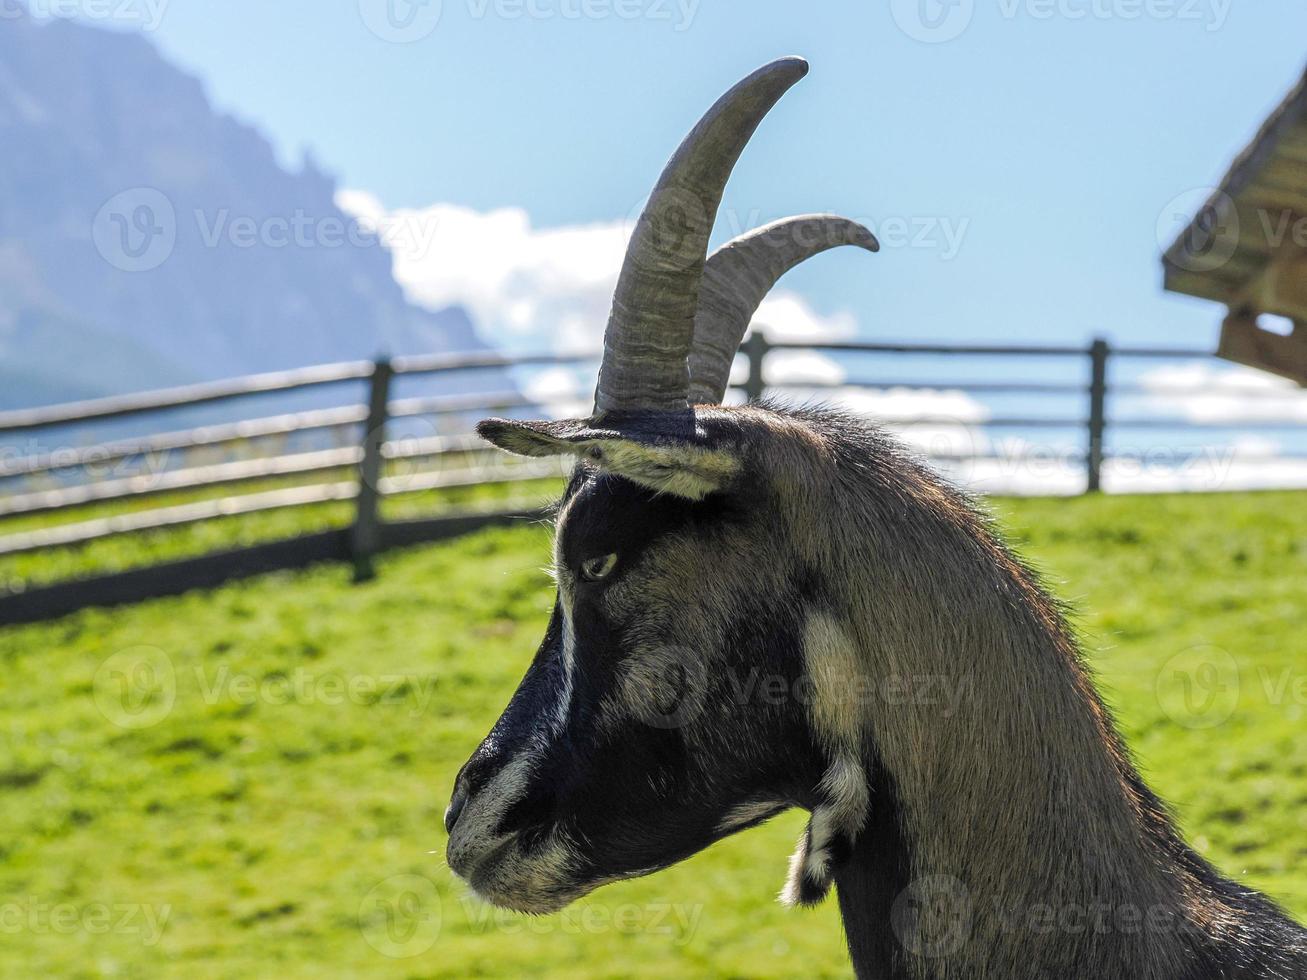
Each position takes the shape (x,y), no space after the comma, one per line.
(567,654)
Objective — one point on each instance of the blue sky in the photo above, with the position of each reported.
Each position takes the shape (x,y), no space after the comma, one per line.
(1024,163)
(1028,160)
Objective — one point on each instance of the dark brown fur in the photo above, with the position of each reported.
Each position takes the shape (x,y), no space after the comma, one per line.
(1007,833)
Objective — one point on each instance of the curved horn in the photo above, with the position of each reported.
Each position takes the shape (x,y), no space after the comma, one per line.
(737,278)
(651,327)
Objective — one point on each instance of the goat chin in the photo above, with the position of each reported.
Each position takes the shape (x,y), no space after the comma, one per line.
(508,880)
(514,901)
(536,897)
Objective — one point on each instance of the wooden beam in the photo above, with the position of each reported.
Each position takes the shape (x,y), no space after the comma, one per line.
(172,578)
(83,532)
(212,570)
(198,477)
(167,442)
(1281,288)
(200,394)
(1245,226)
(1244,342)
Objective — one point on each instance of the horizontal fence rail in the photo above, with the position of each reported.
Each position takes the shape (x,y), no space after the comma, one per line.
(153,484)
(198,438)
(250,503)
(386,446)
(201,394)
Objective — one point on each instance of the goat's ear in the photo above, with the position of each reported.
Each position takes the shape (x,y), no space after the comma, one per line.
(682,468)
(527,438)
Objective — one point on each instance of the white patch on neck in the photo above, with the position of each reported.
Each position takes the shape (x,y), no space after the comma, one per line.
(847,797)
(838,720)
(845,786)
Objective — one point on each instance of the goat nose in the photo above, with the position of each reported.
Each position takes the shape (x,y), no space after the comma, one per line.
(455,807)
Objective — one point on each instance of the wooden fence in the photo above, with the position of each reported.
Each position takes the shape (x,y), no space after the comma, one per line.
(1095,389)
(460,460)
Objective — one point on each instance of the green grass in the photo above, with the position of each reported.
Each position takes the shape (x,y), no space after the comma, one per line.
(264,766)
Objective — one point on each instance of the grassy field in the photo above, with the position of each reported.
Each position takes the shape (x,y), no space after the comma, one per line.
(248,781)
(122,552)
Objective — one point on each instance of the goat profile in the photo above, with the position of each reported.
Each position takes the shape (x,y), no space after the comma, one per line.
(709,557)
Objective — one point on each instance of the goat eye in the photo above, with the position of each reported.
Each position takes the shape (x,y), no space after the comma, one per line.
(594,569)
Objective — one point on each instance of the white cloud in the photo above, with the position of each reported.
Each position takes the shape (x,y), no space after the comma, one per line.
(550,289)
(1236,394)
(889,405)
(784,316)
(1027,468)
(534,288)
(560,392)
(953,426)
(796,367)
(1248,463)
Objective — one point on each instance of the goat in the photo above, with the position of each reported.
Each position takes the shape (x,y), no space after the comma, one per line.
(705,553)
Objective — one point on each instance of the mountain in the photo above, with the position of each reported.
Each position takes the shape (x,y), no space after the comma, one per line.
(147,239)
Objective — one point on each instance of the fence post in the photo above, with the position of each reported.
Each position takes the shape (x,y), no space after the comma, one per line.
(755,350)
(365,535)
(1099,351)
